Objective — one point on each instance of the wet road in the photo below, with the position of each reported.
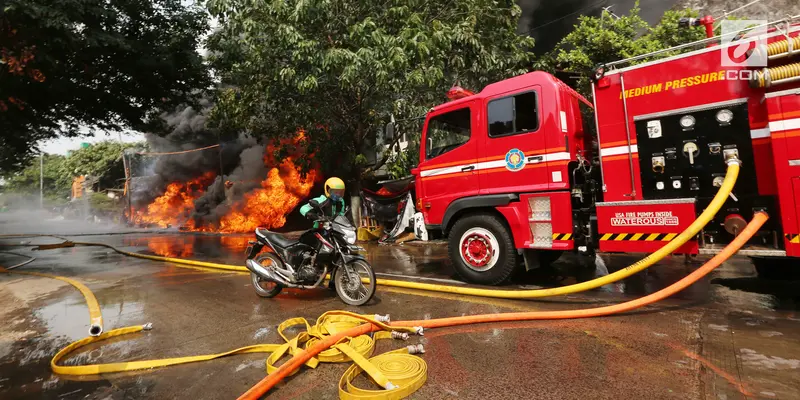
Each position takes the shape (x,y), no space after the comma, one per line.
(730,336)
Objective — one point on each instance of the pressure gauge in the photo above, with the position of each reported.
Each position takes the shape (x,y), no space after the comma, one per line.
(687,122)
(724,116)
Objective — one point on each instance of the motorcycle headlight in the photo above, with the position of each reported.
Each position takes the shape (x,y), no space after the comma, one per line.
(350,237)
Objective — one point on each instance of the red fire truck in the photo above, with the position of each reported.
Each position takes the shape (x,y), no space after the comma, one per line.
(517,172)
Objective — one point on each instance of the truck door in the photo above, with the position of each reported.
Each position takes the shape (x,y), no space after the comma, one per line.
(448,170)
(513,154)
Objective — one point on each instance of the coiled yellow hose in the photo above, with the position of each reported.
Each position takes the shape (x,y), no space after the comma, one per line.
(399,371)
(768,77)
(782,46)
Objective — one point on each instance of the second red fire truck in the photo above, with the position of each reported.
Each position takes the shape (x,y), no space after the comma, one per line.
(517,172)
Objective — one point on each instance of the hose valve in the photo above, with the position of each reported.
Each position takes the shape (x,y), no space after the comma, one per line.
(382,318)
(416,349)
(148,326)
(399,335)
(731,156)
(418,330)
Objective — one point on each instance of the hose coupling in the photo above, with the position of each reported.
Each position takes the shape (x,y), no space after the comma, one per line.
(731,156)
(383,318)
(148,326)
(419,331)
(416,349)
(399,335)
(95,330)
(391,386)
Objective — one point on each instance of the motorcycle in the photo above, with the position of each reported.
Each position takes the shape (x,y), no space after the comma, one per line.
(304,263)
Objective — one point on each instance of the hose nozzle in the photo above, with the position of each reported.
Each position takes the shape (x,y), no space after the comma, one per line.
(95,330)
(148,326)
(416,349)
(419,330)
(399,335)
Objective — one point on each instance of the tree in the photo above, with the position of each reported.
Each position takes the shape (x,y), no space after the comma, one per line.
(102,64)
(607,38)
(102,161)
(26,181)
(337,69)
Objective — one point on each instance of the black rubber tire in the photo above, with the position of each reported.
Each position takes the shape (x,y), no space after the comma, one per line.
(254,279)
(508,260)
(339,275)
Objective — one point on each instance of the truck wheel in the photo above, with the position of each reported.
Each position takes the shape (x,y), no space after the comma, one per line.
(482,250)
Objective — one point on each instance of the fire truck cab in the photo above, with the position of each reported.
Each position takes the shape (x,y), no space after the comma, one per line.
(516,172)
(485,155)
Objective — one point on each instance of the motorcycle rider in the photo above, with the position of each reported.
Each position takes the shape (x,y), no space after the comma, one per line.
(331,203)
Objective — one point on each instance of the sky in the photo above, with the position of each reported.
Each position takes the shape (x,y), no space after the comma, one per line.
(63,145)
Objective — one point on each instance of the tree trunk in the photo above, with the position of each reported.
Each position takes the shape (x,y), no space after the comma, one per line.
(355,202)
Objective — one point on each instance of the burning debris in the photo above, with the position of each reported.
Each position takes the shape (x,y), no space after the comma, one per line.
(186,189)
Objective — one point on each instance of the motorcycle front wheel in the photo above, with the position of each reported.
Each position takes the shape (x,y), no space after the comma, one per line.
(356,286)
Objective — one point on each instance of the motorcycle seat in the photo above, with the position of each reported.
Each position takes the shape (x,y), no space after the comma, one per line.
(276,238)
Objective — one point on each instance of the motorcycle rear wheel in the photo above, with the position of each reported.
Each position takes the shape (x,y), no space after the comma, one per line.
(355,293)
(263,287)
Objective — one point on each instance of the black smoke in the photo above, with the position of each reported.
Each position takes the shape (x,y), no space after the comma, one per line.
(247,176)
(236,159)
(548,21)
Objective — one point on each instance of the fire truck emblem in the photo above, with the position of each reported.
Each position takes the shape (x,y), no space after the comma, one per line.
(515,160)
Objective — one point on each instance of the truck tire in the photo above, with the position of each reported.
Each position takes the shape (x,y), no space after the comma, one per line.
(482,249)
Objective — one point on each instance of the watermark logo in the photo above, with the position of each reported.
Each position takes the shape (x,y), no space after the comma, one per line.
(740,41)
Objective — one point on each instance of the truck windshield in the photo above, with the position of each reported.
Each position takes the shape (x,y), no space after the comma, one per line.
(447,131)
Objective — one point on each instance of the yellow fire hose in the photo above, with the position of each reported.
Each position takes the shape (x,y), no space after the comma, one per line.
(690,232)
(781,47)
(397,372)
(95,317)
(296,361)
(774,76)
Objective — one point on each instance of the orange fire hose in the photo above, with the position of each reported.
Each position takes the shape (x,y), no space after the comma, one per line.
(301,357)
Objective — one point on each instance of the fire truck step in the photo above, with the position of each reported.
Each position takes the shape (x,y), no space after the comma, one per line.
(748,250)
(640,237)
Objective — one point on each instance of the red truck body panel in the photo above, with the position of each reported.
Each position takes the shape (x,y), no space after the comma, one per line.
(638,210)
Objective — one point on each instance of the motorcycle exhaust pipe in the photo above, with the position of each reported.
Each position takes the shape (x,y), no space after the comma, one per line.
(265,273)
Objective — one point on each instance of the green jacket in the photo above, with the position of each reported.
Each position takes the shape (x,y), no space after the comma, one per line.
(329,207)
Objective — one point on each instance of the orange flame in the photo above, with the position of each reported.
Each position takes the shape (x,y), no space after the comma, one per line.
(267,206)
(176,204)
(171,248)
